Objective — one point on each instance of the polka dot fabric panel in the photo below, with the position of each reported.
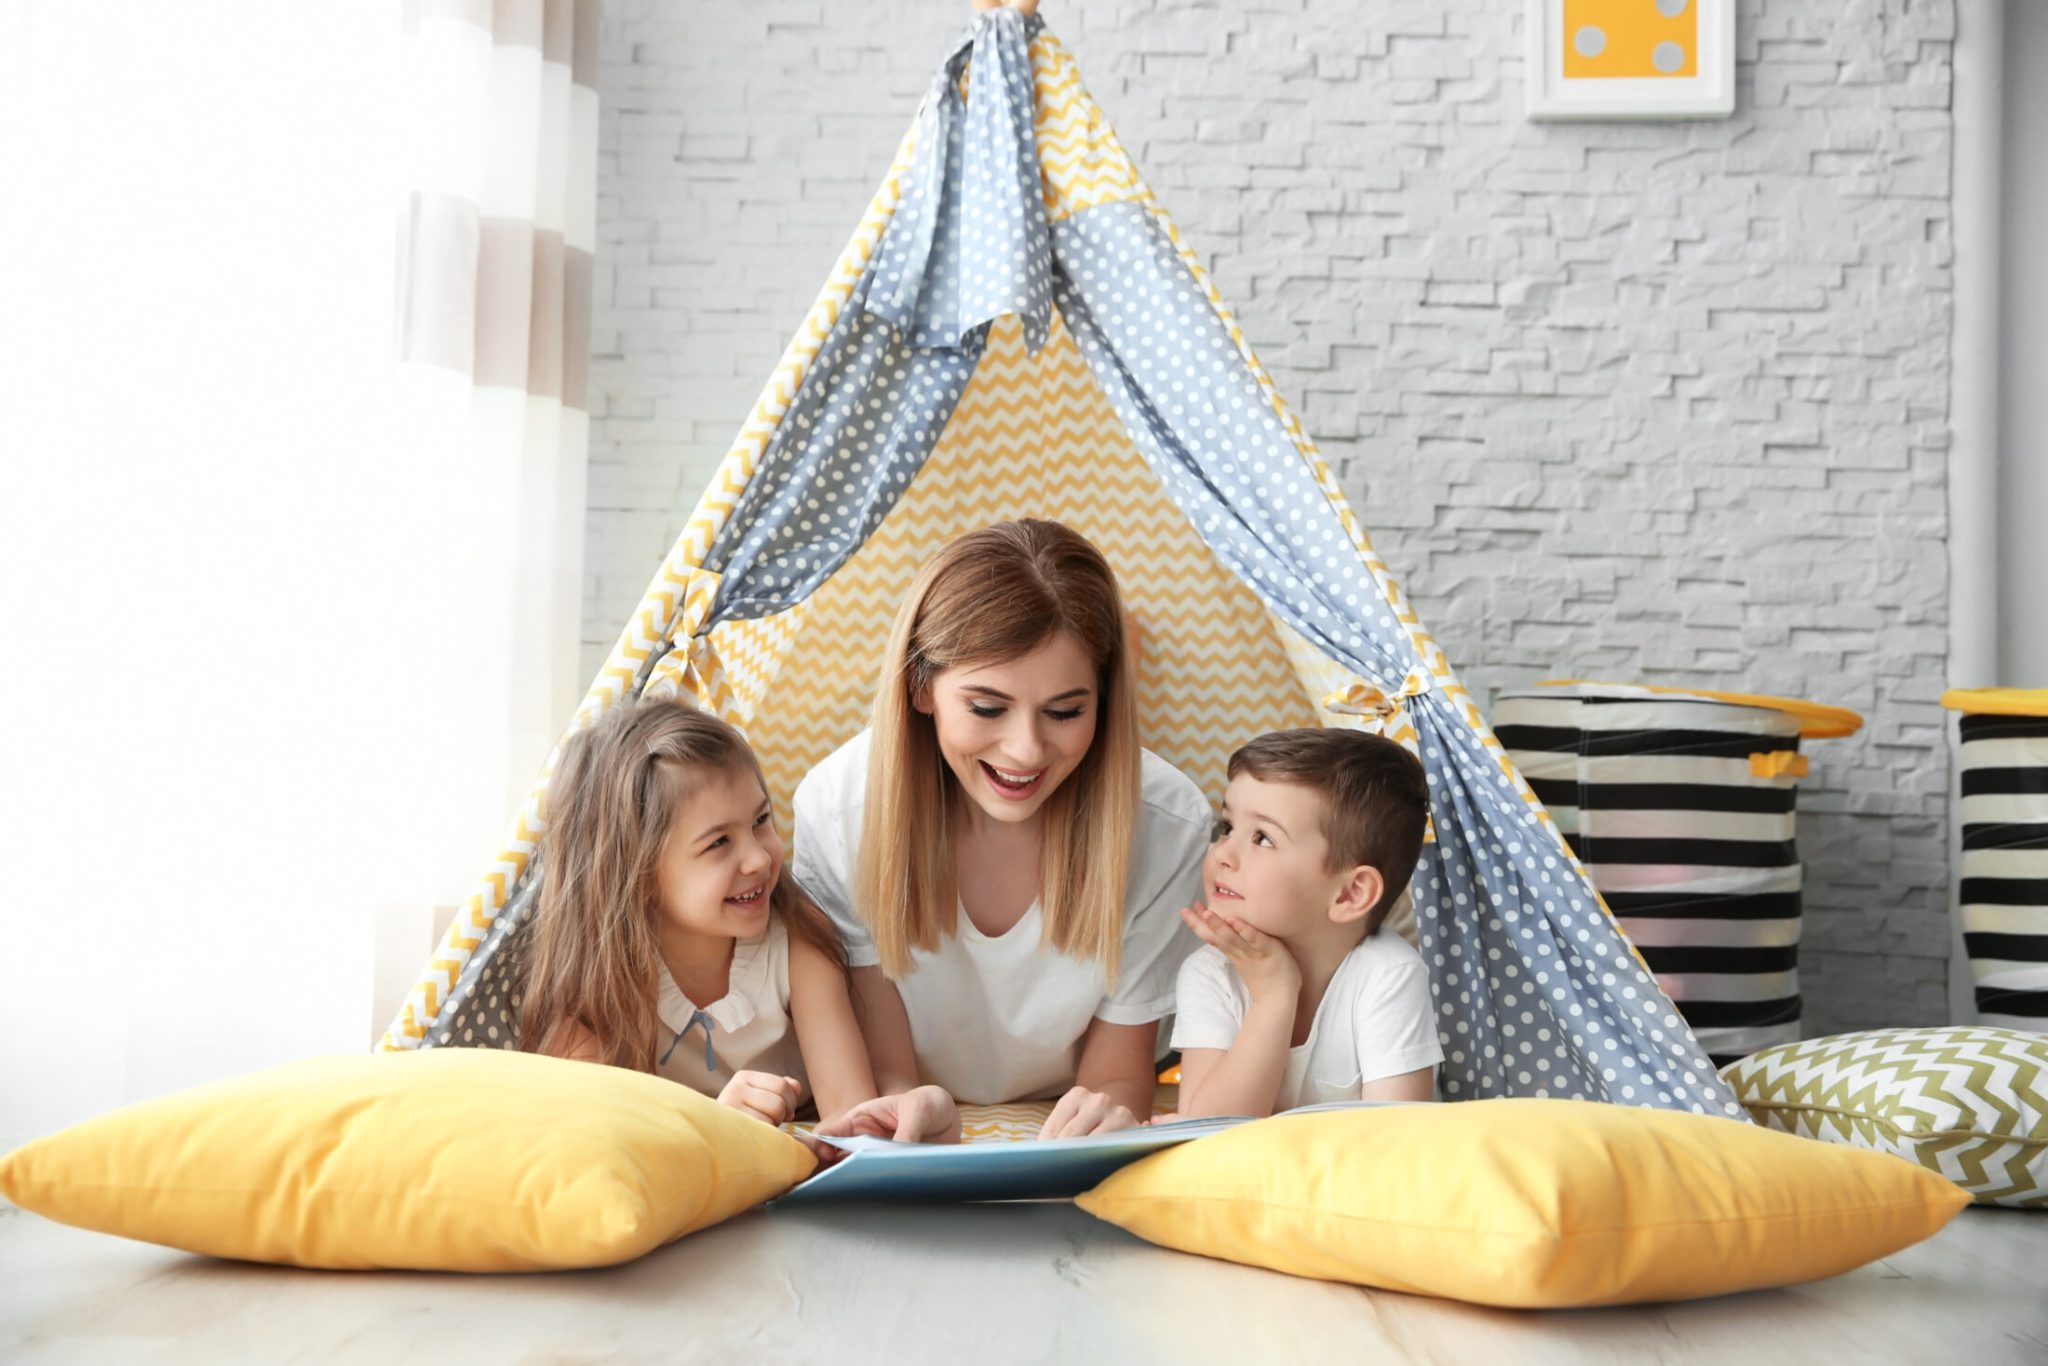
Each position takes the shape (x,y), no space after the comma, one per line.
(853,439)
(1537,991)
(483,1010)
(969,240)
(967,243)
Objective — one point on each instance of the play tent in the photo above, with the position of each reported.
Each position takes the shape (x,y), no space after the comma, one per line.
(1018,329)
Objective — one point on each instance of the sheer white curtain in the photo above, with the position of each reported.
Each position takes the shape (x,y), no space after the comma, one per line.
(213,636)
(493,338)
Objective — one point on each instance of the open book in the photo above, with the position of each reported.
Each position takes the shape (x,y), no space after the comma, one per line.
(883,1171)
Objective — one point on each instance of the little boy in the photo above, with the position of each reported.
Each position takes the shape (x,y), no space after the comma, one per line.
(1297,999)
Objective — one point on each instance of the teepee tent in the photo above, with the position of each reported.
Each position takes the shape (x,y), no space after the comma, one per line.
(1018,329)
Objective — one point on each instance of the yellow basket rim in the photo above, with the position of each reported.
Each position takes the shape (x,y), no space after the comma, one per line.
(1817,720)
(1997,701)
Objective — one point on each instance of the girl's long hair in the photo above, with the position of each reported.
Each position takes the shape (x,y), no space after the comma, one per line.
(994,595)
(594,962)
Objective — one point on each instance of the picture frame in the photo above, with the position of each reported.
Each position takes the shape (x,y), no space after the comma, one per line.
(1630,59)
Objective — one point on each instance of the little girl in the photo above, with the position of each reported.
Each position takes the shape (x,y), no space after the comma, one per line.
(667,940)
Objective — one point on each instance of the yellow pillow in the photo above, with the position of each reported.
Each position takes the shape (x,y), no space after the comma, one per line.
(451,1159)
(1528,1203)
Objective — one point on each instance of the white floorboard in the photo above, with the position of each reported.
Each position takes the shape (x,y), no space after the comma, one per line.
(972,1284)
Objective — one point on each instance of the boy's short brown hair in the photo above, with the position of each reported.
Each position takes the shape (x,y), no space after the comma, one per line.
(1375,798)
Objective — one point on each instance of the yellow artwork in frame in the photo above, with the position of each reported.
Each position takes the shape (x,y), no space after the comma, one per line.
(1618,39)
(1630,59)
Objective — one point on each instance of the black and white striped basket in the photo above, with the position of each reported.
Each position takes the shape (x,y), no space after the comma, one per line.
(1681,806)
(2004,883)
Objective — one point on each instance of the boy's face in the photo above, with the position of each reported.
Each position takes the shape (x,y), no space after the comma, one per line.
(1268,864)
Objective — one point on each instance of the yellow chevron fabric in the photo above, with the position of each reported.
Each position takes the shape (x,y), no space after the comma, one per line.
(1021,1120)
(1038,438)
(1968,1103)
(1013,1123)
(1080,162)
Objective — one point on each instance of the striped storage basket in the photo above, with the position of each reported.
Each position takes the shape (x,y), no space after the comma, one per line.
(2004,894)
(1680,804)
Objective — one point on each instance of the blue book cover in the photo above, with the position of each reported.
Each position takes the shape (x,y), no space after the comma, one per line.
(883,1171)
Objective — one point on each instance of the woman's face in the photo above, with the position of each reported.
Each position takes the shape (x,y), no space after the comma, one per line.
(1012,732)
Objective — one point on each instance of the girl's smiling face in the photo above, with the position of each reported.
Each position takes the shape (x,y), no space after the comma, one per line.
(720,860)
(1013,732)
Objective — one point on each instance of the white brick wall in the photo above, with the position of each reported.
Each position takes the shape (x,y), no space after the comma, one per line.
(1659,402)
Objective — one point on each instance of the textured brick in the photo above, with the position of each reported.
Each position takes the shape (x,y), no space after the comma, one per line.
(1655,401)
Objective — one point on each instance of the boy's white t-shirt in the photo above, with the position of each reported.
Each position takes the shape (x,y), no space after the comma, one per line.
(1000,1019)
(1375,1020)
(750,1026)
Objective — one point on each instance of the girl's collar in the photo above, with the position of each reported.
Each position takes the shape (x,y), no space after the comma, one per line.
(744,980)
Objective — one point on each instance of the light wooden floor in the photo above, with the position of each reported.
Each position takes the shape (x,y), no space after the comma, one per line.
(972,1284)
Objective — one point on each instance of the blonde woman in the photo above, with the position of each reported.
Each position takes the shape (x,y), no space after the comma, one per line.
(1004,864)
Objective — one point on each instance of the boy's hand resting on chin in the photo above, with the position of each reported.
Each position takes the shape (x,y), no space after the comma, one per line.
(1263,962)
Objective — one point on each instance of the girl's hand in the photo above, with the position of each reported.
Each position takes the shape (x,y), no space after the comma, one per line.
(825,1153)
(923,1114)
(1081,1111)
(1024,7)
(1264,963)
(765,1096)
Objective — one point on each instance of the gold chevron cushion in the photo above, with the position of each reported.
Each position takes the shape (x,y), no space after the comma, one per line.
(1969,1103)
(449,1159)
(1528,1203)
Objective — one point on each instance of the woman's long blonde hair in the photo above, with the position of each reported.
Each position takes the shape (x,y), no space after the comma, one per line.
(990,596)
(595,959)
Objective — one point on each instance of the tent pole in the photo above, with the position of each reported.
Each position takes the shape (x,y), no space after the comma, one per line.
(1973,467)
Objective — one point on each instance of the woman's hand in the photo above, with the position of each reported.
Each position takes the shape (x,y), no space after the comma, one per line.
(1263,962)
(765,1096)
(1024,7)
(1082,1111)
(923,1114)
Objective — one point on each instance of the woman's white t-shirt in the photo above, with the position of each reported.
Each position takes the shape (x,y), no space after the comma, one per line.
(996,1019)
(1375,1019)
(749,1027)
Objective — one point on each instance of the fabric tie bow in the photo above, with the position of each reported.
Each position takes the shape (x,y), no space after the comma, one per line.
(1373,702)
(691,668)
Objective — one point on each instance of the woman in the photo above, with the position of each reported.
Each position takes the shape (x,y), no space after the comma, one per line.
(1004,863)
